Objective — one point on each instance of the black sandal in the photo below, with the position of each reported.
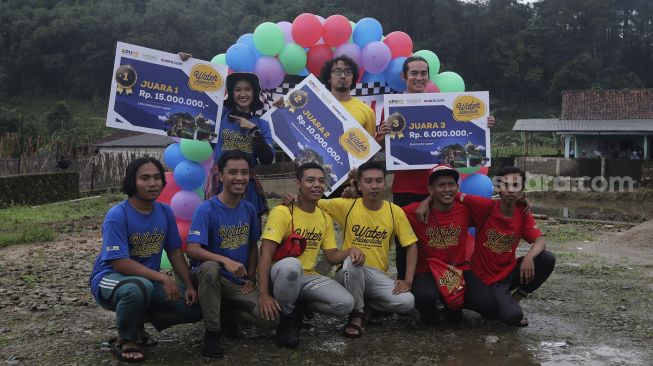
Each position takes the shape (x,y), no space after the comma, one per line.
(350,325)
(522,323)
(146,340)
(117,350)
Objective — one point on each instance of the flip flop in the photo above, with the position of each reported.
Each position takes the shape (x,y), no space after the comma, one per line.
(117,350)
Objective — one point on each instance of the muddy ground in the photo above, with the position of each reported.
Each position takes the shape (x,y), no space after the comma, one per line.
(595,309)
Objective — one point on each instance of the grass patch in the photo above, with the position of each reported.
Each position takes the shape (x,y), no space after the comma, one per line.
(568,232)
(27,224)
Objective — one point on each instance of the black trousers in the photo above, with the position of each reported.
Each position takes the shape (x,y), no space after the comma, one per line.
(495,300)
(427,295)
(403,199)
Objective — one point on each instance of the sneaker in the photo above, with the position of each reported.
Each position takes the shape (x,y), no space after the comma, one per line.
(287,331)
(212,345)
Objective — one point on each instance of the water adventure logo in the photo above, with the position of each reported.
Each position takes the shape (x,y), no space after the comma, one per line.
(355,143)
(467,108)
(204,78)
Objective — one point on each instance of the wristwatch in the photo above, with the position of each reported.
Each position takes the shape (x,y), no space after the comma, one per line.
(255,132)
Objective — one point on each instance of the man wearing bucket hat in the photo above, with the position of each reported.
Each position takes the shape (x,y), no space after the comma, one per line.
(442,242)
(242,130)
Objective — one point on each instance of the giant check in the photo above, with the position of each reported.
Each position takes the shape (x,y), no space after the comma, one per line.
(156,92)
(436,128)
(314,126)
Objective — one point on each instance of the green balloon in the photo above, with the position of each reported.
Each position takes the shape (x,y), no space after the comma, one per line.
(195,150)
(165,262)
(268,39)
(432,60)
(292,58)
(449,81)
(200,191)
(219,59)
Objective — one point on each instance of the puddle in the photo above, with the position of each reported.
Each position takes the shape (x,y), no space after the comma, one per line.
(596,355)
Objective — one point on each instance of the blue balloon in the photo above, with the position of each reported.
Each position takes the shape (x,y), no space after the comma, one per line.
(248,39)
(303,72)
(366,31)
(173,156)
(477,184)
(471,231)
(241,57)
(189,175)
(392,74)
(373,78)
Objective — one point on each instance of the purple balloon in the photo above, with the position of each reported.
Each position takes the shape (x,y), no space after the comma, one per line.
(376,57)
(351,50)
(184,203)
(189,175)
(322,20)
(286,28)
(269,71)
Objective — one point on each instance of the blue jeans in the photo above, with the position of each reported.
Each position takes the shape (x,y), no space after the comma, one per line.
(136,300)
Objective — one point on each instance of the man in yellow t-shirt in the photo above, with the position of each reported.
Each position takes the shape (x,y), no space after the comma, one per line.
(290,280)
(339,75)
(369,224)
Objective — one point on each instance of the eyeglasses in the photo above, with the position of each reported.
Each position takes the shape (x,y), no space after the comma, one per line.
(346,72)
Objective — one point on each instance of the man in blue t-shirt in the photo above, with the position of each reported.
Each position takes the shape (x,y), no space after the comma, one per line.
(126,276)
(222,245)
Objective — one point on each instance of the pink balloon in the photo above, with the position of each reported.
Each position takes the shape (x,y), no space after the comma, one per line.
(399,43)
(170,189)
(184,203)
(306,30)
(286,28)
(336,30)
(316,57)
(207,164)
(270,72)
(376,57)
(351,50)
(431,87)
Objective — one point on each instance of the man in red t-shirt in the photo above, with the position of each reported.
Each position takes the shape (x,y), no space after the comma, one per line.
(495,272)
(443,237)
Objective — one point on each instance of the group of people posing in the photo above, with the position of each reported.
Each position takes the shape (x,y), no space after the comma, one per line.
(231,281)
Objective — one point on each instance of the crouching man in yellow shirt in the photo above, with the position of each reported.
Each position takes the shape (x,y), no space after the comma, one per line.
(289,280)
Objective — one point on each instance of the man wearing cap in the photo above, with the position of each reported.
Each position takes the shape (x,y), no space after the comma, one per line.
(443,237)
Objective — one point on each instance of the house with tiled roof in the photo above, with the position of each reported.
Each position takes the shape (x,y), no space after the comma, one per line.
(612,124)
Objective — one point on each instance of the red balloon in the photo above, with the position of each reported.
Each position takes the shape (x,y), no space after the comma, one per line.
(316,57)
(306,30)
(336,30)
(169,190)
(184,227)
(431,87)
(399,43)
(361,71)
